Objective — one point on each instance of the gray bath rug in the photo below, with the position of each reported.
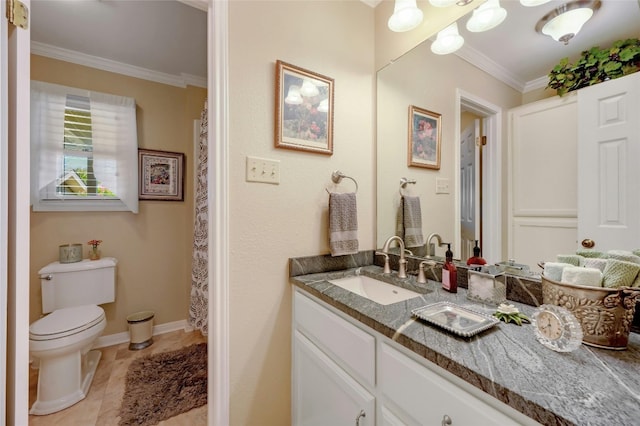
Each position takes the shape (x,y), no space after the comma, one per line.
(161,386)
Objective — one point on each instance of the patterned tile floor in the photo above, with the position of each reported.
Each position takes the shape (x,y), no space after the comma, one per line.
(102,404)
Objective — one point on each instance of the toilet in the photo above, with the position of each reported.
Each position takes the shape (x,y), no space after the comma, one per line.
(61,341)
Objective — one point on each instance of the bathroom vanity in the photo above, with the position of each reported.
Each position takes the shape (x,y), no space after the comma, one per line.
(355,361)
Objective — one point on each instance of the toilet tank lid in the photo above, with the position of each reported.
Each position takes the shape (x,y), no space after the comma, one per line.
(84,265)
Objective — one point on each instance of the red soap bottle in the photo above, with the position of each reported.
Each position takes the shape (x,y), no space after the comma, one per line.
(449,272)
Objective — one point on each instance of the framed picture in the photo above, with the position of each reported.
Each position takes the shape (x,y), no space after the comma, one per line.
(161,175)
(424,138)
(304,110)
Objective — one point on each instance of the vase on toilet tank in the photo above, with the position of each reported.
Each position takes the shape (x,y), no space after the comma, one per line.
(61,342)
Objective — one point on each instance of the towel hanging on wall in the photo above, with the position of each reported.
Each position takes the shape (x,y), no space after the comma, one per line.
(409,221)
(343,224)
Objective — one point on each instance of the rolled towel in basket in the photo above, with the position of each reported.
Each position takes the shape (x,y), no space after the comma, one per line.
(595,263)
(588,253)
(627,256)
(574,259)
(553,270)
(343,224)
(582,276)
(618,273)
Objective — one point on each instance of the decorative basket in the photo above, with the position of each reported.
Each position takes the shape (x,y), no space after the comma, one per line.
(605,314)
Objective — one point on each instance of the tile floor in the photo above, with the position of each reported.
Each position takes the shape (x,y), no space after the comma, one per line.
(102,404)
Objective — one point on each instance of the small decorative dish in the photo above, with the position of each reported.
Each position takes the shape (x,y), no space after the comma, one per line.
(456,319)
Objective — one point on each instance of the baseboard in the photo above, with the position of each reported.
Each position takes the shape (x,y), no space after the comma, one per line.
(118,338)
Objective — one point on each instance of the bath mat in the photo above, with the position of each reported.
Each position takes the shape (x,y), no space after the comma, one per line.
(160,386)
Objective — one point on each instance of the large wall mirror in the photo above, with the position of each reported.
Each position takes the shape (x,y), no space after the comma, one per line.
(472,101)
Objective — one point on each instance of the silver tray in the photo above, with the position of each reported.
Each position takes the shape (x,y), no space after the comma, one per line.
(456,319)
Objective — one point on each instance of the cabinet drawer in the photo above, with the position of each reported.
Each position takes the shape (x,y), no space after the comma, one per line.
(424,397)
(349,346)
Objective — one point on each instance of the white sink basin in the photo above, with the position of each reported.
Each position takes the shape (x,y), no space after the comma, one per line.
(375,290)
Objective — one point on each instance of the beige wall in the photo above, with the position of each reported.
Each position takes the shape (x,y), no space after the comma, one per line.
(271,223)
(153,247)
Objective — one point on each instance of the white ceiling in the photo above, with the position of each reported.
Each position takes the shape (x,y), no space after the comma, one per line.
(170,37)
(165,36)
(522,55)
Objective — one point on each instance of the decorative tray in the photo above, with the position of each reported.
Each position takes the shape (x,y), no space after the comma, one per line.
(456,319)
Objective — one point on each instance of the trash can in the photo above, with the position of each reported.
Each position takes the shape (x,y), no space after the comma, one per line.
(140,330)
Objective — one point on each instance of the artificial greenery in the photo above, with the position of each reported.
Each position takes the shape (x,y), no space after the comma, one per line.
(595,66)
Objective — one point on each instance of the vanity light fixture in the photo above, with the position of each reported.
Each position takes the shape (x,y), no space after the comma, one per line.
(293,96)
(564,22)
(533,3)
(486,16)
(448,40)
(406,16)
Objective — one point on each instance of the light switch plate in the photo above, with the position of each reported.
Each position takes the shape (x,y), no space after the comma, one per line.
(442,186)
(263,170)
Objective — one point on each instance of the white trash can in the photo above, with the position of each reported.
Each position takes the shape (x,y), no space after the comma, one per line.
(140,330)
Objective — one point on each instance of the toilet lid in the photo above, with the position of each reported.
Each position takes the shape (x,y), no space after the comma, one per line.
(65,322)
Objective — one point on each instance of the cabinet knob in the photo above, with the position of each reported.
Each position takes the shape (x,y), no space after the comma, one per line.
(446,420)
(362,414)
(588,243)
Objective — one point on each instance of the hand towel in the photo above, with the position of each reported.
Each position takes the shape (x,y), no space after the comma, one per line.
(618,273)
(412,222)
(343,224)
(574,259)
(595,263)
(553,270)
(627,256)
(582,276)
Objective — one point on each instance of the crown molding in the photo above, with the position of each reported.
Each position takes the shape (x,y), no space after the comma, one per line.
(492,68)
(97,62)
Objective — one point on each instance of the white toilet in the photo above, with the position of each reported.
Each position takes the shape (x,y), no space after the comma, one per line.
(61,341)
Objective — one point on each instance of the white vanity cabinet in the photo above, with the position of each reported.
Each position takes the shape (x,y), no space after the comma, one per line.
(342,369)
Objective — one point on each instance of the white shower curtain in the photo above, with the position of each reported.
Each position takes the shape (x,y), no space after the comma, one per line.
(198,307)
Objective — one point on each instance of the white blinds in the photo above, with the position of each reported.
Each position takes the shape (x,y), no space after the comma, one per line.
(114,150)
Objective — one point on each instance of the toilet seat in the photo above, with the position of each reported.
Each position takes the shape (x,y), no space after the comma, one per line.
(66,322)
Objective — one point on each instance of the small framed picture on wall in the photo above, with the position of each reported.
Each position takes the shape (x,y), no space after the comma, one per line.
(161,175)
(424,138)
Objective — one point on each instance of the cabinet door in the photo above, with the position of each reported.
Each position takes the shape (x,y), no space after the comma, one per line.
(323,393)
(427,398)
(608,172)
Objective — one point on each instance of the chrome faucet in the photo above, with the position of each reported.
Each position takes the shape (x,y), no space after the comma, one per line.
(402,264)
(432,247)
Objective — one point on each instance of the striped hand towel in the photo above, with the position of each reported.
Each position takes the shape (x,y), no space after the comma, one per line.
(412,222)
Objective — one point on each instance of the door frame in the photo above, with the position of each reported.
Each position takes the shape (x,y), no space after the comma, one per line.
(491,173)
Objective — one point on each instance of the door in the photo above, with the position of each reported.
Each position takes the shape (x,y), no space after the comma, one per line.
(323,393)
(14,217)
(608,172)
(469,189)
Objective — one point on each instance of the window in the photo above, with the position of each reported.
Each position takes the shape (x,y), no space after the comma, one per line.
(83,150)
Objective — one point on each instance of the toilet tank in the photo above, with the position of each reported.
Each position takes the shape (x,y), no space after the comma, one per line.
(89,282)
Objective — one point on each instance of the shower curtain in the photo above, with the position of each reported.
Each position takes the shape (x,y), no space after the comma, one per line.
(198,307)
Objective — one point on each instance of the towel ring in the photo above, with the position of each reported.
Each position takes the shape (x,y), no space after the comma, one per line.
(337,176)
(403,183)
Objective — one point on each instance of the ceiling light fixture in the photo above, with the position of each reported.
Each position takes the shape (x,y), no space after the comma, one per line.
(533,3)
(448,40)
(406,16)
(488,15)
(564,22)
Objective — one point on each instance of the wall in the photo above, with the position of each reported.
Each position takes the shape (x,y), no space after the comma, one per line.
(271,223)
(153,247)
(423,79)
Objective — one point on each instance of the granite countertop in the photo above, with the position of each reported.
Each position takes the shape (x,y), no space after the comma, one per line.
(589,386)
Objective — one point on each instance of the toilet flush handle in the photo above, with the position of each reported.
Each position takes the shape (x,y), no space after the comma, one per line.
(48,277)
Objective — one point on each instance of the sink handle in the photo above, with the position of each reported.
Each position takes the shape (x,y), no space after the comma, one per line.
(387,268)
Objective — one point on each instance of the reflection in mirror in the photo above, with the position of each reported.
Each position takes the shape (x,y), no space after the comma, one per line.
(459,201)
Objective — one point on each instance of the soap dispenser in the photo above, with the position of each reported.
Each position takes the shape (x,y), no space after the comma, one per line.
(449,272)
(476,261)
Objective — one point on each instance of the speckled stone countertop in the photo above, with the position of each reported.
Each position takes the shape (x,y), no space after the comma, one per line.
(589,386)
